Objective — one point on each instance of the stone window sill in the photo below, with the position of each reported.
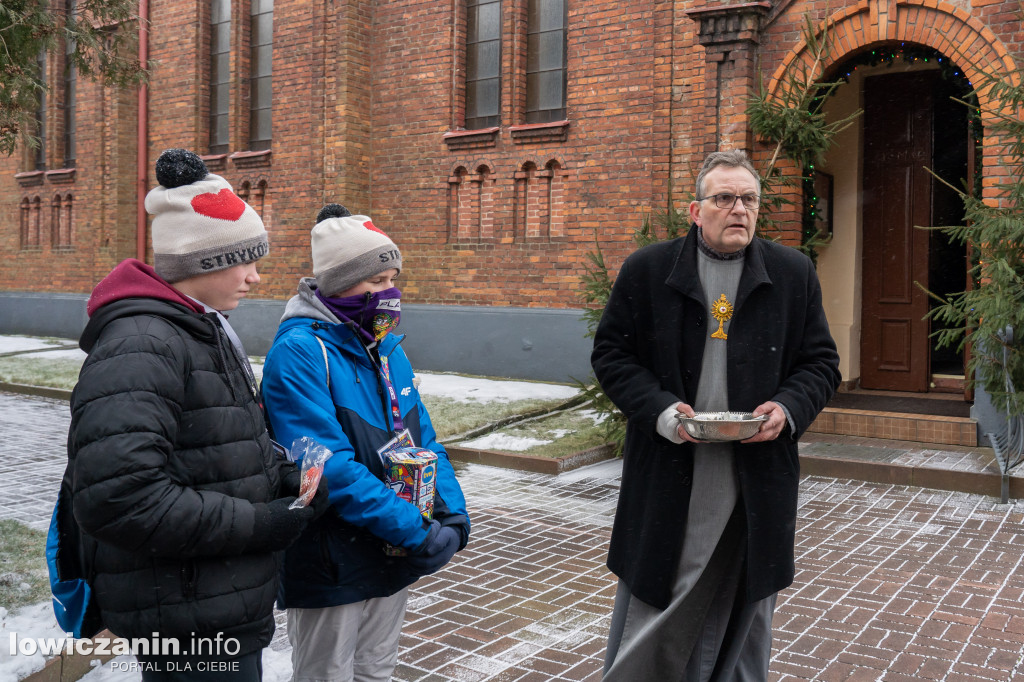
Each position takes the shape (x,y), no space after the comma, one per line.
(251,159)
(29,178)
(529,133)
(471,139)
(61,176)
(215,162)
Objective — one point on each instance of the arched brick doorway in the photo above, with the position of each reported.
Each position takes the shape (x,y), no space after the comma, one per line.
(886,348)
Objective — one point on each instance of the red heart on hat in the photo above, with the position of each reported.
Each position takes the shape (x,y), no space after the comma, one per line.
(370,226)
(224,205)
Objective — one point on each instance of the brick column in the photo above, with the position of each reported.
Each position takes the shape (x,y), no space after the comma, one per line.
(730,36)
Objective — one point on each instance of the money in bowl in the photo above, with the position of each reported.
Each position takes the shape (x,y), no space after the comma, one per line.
(721,426)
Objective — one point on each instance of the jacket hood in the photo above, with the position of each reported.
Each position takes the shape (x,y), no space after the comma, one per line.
(134,279)
(134,288)
(305,304)
(305,308)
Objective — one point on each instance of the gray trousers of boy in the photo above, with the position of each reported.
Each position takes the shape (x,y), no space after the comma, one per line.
(348,643)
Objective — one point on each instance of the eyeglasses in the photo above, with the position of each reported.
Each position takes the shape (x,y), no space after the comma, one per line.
(728,200)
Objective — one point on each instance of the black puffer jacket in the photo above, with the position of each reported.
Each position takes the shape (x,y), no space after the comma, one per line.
(167,453)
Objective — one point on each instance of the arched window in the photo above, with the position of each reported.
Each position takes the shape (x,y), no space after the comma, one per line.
(24,222)
(220,76)
(483,63)
(538,213)
(259,201)
(456,211)
(555,200)
(523,179)
(483,222)
(69,100)
(260,65)
(471,204)
(233,122)
(55,216)
(61,225)
(41,104)
(545,61)
(35,226)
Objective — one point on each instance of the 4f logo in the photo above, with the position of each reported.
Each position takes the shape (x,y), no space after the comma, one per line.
(406,391)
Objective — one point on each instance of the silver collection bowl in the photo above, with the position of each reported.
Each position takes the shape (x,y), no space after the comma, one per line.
(721,426)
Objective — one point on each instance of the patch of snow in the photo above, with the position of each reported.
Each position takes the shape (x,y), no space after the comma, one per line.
(503,441)
(257,368)
(117,669)
(594,415)
(277,665)
(16,344)
(66,354)
(471,389)
(31,622)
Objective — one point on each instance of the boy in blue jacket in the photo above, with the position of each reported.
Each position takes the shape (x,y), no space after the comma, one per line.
(336,373)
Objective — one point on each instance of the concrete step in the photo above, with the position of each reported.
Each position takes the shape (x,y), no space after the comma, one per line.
(902,426)
(898,462)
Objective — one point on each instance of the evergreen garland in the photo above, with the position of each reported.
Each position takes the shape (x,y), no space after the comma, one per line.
(990,316)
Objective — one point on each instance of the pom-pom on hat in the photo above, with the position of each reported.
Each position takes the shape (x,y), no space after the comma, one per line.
(348,249)
(199,224)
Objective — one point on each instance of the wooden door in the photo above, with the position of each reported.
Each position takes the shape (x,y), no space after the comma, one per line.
(897,196)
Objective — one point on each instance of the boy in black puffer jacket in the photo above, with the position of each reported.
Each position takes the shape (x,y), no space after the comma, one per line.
(179,498)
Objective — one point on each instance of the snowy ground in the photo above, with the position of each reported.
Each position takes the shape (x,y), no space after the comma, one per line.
(18,344)
(475,393)
(477,390)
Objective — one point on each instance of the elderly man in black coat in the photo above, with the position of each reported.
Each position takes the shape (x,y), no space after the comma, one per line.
(704,532)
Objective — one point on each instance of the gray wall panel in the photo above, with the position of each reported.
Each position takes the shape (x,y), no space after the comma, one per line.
(523,343)
(35,314)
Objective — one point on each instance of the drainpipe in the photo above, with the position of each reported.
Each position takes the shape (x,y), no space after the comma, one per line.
(142,154)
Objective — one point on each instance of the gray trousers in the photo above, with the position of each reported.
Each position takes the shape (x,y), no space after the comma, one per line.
(707,632)
(708,635)
(349,643)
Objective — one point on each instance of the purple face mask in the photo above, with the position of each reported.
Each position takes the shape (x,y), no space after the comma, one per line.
(376,314)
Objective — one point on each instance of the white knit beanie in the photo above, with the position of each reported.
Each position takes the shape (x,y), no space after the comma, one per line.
(199,224)
(348,249)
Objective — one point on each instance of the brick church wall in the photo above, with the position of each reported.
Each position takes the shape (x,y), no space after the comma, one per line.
(368,107)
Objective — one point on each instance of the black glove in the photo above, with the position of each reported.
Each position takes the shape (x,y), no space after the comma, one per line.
(277,526)
(319,504)
(437,550)
(291,479)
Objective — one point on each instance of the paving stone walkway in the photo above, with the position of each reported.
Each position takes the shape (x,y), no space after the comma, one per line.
(893,583)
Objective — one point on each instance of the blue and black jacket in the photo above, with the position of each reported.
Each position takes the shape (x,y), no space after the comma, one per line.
(340,559)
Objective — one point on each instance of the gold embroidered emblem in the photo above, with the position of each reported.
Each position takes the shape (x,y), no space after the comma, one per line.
(721,311)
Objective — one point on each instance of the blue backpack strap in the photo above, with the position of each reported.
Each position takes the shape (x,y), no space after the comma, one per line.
(73,602)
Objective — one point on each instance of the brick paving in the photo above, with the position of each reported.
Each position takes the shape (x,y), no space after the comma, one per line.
(893,583)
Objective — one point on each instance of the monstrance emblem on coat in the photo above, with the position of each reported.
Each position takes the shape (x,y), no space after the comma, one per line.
(721,311)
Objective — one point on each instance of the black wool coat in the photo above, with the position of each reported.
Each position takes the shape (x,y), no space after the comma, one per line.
(167,454)
(647,356)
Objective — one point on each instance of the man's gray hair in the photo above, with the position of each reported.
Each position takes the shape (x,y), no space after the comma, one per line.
(735,158)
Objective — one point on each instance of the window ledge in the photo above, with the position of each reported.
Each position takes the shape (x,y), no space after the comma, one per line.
(215,162)
(251,159)
(29,178)
(556,131)
(61,176)
(472,139)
